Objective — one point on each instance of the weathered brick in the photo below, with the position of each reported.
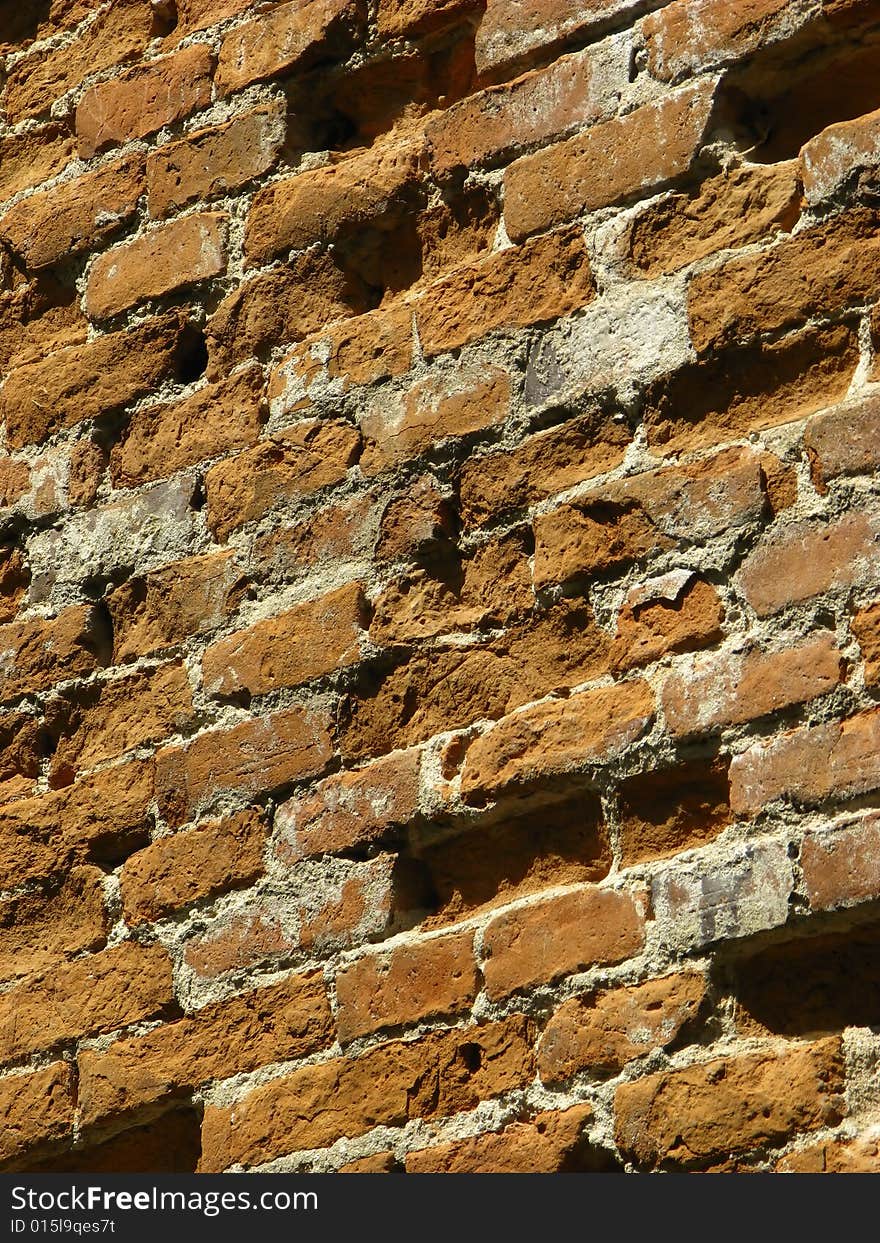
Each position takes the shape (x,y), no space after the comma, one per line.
(547,462)
(163,439)
(272,1024)
(102,817)
(684,1119)
(356,351)
(35,1109)
(708,900)
(39,653)
(319,204)
(646,513)
(80,382)
(676,612)
(663,811)
(838,759)
(558,936)
(513,32)
(613,161)
(846,152)
(737,207)
(442,1074)
(291,38)
(692,35)
(294,463)
(145,99)
(38,317)
(866,629)
(542,280)
(433,410)
(350,810)
(308,642)
(539,107)
(33,157)
(160,262)
(806,559)
(95,994)
(175,871)
(40,929)
(418,980)
(604,1031)
(170,1145)
(74,216)
(166,606)
(117,716)
(844,441)
(256,756)
(214,161)
(860,1155)
(706,692)
(194,15)
(744,390)
(819,271)
(556,738)
(284,304)
(553,1143)
(841,866)
(14,580)
(118,35)
(398,18)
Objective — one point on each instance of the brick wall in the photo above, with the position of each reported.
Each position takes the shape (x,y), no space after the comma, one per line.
(439,587)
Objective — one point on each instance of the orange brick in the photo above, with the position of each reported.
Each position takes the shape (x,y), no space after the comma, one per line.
(844,441)
(832,156)
(39,653)
(409,18)
(38,930)
(840,865)
(676,612)
(291,38)
(418,980)
(554,1143)
(613,161)
(30,158)
(35,1109)
(663,811)
(175,871)
(143,100)
(252,758)
(514,32)
(558,936)
(866,629)
(691,35)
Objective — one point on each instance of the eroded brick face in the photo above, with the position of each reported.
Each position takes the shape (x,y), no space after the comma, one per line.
(439,593)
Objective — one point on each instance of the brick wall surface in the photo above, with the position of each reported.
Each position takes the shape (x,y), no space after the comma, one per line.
(439,585)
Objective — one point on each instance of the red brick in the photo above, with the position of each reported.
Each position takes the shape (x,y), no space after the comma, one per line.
(611,162)
(663,811)
(276,1023)
(160,262)
(317,205)
(308,642)
(356,351)
(540,107)
(685,1119)
(214,161)
(841,866)
(144,100)
(75,216)
(844,441)
(28,159)
(646,513)
(35,1109)
(409,18)
(809,765)
(822,270)
(558,936)
(604,1031)
(707,692)
(418,980)
(866,630)
(432,411)
(87,381)
(806,559)
(676,612)
(118,716)
(350,810)
(745,390)
(163,439)
(175,871)
(256,756)
(542,280)
(292,464)
(40,929)
(442,1074)
(95,994)
(39,653)
(554,1143)
(290,38)
(690,36)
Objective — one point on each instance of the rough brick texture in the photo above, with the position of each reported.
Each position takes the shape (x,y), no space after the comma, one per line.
(439,591)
